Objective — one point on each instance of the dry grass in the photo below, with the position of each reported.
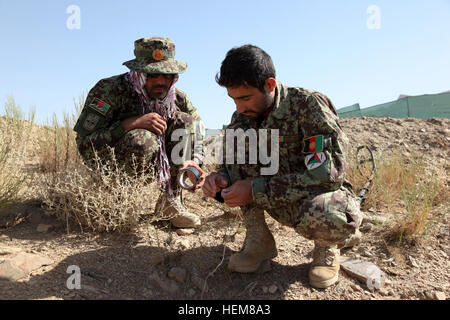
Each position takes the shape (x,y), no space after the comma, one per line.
(57,148)
(103,200)
(14,139)
(408,188)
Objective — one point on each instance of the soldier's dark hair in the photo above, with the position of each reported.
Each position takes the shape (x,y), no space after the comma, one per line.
(248,65)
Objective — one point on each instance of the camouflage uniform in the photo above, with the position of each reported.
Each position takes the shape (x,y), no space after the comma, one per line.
(309,192)
(113,100)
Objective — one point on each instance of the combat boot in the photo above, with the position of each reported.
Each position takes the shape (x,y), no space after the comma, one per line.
(324,270)
(172,208)
(259,244)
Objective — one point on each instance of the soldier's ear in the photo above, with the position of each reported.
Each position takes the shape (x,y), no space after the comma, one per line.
(270,85)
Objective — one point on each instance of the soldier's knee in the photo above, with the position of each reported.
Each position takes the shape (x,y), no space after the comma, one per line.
(141,142)
(331,217)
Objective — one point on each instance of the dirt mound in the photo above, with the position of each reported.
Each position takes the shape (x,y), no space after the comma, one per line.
(429,139)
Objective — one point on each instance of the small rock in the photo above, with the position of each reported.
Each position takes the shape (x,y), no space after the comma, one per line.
(265,289)
(384,292)
(44,228)
(178,274)
(412,262)
(185,232)
(366,272)
(191,293)
(89,288)
(366,227)
(199,283)
(273,288)
(184,243)
(439,295)
(165,284)
(429,295)
(355,287)
(156,259)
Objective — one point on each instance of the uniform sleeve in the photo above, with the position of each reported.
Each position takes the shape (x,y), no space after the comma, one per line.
(325,164)
(96,126)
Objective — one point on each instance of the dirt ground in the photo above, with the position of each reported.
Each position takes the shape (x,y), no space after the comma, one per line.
(155,262)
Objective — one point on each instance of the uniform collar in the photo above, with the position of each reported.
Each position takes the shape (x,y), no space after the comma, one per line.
(280,97)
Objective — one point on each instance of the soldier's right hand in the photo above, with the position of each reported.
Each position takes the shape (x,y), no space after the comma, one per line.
(150,121)
(213,184)
(153,122)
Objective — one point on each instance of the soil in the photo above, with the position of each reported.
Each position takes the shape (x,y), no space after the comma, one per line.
(154,262)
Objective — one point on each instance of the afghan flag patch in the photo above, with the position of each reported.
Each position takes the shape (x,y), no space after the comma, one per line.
(315,160)
(313,144)
(100,106)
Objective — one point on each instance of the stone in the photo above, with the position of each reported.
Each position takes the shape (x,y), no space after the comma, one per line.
(412,262)
(15,264)
(439,295)
(273,288)
(167,285)
(184,243)
(89,288)
(366,272)
(185,231)
(383,292)
(44,228)
(265,289)
(156,259)
(366,227)
(191,293)
(178,274)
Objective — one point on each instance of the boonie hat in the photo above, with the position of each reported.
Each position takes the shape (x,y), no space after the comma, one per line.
(155,55)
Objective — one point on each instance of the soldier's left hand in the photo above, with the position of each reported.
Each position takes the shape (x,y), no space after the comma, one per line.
(238,194)
(191,177)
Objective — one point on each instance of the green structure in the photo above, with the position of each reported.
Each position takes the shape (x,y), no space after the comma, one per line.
(423,107)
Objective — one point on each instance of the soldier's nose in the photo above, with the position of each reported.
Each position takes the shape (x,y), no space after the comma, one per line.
(240,109)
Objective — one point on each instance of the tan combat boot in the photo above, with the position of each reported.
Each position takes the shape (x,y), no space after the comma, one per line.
(179,216)
(259,244)
(324,270)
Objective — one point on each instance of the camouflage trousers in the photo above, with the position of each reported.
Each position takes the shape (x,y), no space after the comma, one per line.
(144,145)
(140,147)
(327,217)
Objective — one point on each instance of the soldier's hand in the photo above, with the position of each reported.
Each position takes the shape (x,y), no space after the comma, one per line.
(150,121)
(153,122)
(213,184)
(239,194)
(191,177)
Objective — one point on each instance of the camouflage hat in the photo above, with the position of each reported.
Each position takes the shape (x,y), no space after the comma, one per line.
(155,55)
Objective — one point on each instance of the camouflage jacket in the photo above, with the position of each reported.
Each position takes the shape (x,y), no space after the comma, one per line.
(312,149)
(111,101)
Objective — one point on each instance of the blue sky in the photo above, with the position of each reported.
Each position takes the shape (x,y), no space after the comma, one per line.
(321,45)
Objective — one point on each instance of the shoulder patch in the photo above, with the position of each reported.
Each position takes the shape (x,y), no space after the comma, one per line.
(313,144)
(315,160)
(91,121)
(100,106)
